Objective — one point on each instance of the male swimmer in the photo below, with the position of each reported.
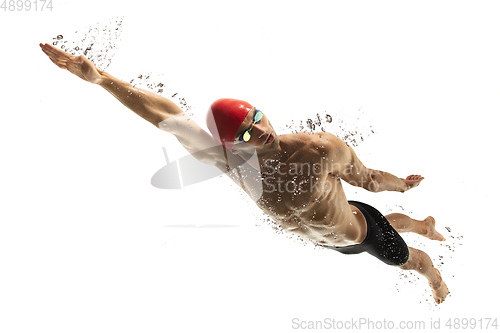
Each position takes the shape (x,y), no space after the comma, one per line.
(298,175)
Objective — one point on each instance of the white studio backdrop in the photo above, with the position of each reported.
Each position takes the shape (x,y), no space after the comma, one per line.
(87,243)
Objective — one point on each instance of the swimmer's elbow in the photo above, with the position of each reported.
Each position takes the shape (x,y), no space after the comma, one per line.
(379,181)
(372,181)
(373,184)
(362,179)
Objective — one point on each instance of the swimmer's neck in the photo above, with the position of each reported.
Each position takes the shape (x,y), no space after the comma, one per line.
(263,156)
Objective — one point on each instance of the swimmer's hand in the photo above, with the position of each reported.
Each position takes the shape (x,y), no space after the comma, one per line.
(78,65)
(412,181)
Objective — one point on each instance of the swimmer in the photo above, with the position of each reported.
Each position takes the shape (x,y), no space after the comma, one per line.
(299,175)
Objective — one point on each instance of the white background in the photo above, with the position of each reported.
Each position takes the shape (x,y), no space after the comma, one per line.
(83,242)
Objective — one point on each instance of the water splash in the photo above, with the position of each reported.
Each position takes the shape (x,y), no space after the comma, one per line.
(156,83)
(98,42)
(350,126)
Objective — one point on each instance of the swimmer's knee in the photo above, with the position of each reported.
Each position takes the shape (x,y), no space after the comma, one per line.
(411,262)
(408,266)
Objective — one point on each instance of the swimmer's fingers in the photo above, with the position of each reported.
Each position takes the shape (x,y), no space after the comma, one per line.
(412,181)
(60,60)
(59,57)
(415,178)
(78,65)
(59,63)
(54,52)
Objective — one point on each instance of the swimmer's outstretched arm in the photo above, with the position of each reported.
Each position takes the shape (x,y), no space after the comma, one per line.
(348,167)
(156,109)
(148,105)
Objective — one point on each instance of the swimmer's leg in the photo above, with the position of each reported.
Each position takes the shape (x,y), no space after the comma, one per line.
(420,262)
(426,228)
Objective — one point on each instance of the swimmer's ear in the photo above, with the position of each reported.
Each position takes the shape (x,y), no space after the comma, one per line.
(238,150)
(245,151)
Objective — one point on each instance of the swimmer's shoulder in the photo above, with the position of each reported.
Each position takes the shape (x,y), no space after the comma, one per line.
(319,140)
(319,143)
(324,141)
(316,137)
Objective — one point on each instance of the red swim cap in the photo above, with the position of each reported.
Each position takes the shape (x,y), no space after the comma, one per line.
(225,117)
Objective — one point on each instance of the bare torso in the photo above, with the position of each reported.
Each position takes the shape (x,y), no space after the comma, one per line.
(302,195)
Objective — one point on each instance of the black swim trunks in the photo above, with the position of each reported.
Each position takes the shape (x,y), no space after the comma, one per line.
(382,241)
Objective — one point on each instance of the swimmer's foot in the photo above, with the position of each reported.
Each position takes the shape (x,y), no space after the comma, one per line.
(431,232)
(439,290)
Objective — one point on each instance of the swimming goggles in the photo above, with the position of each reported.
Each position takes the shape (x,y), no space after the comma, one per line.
(245,136)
